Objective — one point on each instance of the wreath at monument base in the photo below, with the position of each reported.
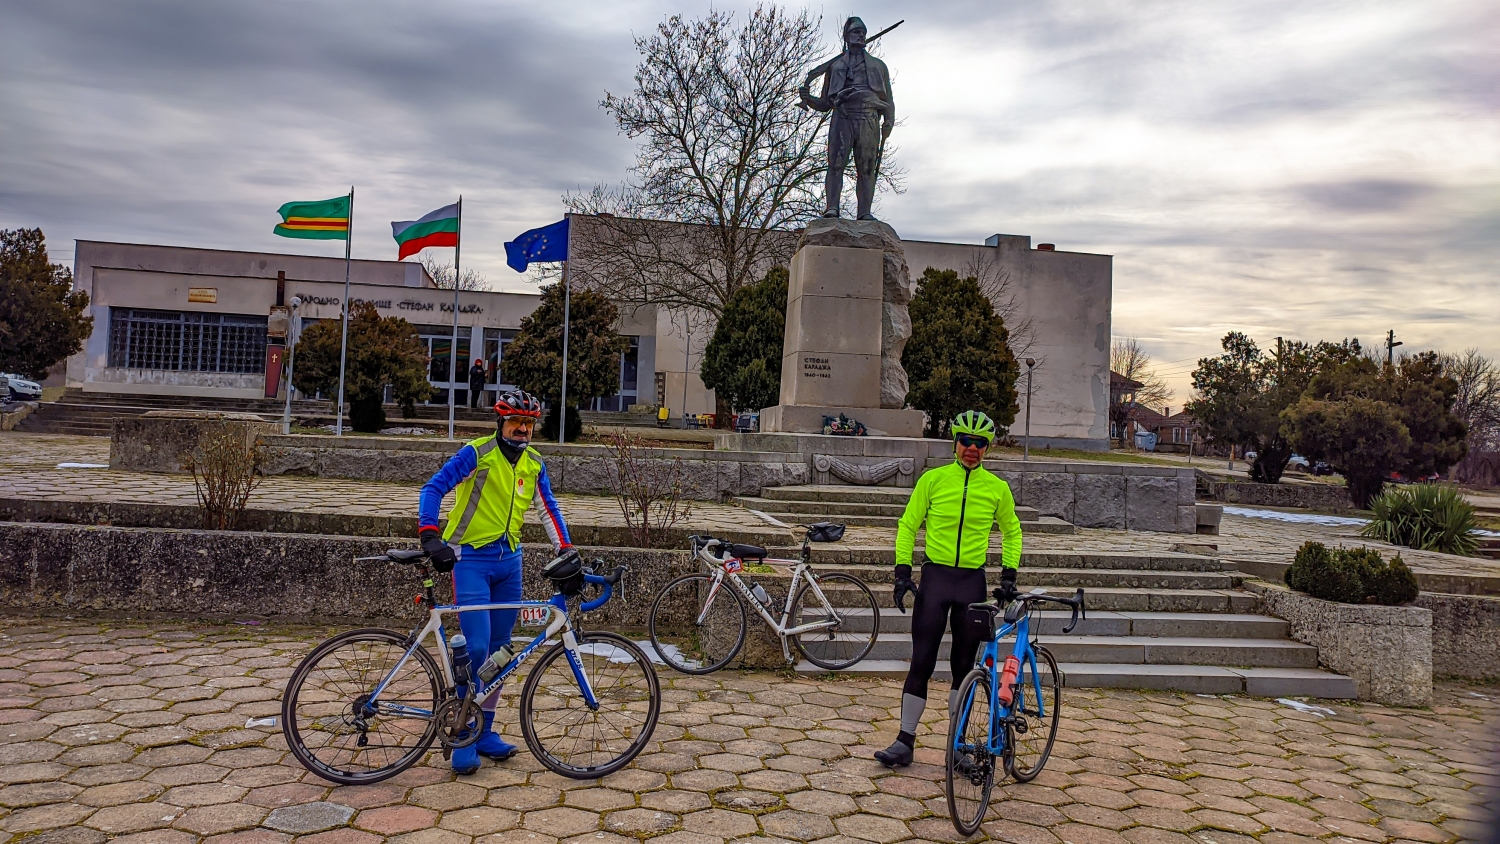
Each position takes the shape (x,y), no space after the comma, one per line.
(843,426)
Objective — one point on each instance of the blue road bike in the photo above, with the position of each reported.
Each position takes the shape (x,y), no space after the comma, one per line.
(368,704)
(1006,710)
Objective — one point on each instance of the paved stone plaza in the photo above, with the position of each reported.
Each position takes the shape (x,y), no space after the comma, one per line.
(136,732)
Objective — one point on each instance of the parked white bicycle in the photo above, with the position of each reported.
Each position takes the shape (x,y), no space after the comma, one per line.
(697,625)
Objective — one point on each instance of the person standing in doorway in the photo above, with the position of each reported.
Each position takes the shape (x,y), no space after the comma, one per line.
(960,503)
(476,382)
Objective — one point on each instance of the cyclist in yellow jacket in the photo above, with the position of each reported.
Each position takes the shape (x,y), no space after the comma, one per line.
(959,503)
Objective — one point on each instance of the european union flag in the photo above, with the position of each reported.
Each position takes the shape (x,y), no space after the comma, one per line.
(548,243)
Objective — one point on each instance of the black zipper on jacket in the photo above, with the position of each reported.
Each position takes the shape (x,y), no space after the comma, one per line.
(515,472)
(963,504)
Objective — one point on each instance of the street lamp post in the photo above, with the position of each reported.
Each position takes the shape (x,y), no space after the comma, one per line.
(291,351)
(1026,449)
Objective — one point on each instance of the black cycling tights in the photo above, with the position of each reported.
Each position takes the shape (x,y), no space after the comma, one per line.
(943,598)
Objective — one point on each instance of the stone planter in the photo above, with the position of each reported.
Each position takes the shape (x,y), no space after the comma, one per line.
(1387,651)
(165,440)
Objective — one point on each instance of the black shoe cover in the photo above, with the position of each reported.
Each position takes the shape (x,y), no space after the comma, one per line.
(898,755)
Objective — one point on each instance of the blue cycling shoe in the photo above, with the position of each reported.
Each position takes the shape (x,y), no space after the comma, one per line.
(490,744)
(466,759)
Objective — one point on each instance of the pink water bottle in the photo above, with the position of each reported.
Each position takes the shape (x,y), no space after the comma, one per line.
(1008,679)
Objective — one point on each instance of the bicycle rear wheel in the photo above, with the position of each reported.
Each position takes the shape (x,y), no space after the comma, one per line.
(571,738)
(970,766)
(691,646)
(329,723)
(1030,735)
(858,622)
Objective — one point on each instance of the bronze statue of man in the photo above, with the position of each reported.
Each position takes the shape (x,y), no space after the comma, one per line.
(857,89)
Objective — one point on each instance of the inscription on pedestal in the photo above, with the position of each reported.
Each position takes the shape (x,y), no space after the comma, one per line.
(816,367)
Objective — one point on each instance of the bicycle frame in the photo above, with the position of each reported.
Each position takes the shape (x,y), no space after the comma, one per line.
(800,568)
(557,620)
(989,657)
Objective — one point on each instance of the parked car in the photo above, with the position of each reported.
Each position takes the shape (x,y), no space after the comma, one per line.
(1298,462)
(20,389)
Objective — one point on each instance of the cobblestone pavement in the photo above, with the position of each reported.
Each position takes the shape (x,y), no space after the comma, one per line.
(28,461)
(137,732)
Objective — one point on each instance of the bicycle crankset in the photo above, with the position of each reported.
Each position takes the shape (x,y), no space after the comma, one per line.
(459,723)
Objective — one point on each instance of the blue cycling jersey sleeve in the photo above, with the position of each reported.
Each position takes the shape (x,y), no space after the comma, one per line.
(458,467)
(552,517)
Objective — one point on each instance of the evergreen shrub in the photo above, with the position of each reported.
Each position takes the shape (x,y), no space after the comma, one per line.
(1351,576)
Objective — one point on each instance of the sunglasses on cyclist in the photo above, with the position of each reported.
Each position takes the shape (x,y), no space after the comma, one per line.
(968,441)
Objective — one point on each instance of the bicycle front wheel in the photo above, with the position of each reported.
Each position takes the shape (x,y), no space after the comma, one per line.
(710,629)
(855,624)
(1033,727)
(574,739)
(970,766)
(331,723)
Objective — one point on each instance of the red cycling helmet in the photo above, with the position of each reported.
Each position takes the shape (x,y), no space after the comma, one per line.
(518,403)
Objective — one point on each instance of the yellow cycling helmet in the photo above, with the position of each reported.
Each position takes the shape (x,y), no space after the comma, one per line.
(974,423)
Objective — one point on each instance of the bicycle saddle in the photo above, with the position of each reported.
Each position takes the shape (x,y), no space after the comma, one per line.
(406,557)
(747,552)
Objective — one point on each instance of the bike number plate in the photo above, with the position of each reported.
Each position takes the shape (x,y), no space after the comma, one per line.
(534,616)
(733,566)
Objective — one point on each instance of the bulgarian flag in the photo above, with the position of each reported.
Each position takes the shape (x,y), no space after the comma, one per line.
(326,219)
(439,228)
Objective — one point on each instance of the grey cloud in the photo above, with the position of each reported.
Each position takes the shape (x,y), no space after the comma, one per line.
(1365,195)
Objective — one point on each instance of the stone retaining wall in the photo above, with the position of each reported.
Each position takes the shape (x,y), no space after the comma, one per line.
(1465,635)
(291,577)
(11,414)
(167,440)
(1388,651)
(583,469)
(1301,496)
(1105,495)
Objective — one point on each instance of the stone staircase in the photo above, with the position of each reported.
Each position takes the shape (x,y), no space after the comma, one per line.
(1166,621)
(861,506)
(93,414)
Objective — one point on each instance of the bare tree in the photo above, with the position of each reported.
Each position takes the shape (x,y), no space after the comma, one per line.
(1129,359)
(442,275)
(998,286)
(1478,400)
(724,148)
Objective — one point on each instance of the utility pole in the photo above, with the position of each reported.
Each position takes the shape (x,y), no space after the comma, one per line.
(1030,365)
(1390,347)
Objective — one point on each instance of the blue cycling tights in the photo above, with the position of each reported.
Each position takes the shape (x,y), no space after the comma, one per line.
(487,575)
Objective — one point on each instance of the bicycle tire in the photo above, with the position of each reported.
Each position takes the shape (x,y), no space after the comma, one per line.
(611,697)
(962,768)
(821,648)
(1022,748)
(699,658)
(310,752)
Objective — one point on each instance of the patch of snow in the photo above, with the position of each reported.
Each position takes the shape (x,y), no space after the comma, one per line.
(1298,705)
(616,654)
(401,432)
(1299,518)
(83,465)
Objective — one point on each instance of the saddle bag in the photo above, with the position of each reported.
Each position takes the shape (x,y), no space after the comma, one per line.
(825,532)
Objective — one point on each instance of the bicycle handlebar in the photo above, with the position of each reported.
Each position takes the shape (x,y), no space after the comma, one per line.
(608,581)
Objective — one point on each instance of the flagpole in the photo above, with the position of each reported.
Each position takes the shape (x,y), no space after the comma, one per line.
(453,350)
(338,421)
(562,410)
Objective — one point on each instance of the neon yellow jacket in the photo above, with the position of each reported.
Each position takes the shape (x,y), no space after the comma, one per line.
(960,506)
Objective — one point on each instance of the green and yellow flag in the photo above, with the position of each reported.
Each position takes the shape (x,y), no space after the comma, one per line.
(326,219)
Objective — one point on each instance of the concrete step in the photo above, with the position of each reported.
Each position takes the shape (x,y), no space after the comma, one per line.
(839,492)
(881,568)
(1191,679)
(1044,524)
(1113,599)
(1115,623)
(1141,650)
(1072,577)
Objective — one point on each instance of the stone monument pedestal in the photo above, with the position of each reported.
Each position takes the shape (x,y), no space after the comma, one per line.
(846,325)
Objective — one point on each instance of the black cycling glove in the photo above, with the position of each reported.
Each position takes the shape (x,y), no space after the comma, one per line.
(439,553)
(1006,592)
(904,585)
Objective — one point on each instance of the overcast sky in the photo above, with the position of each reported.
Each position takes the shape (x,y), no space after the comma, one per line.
(1316,170)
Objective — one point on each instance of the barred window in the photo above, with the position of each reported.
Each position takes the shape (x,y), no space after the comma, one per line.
(186,341)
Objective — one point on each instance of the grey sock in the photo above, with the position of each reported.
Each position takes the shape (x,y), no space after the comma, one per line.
(911,712)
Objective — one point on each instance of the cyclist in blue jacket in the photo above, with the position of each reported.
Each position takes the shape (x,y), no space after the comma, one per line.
(498,479)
